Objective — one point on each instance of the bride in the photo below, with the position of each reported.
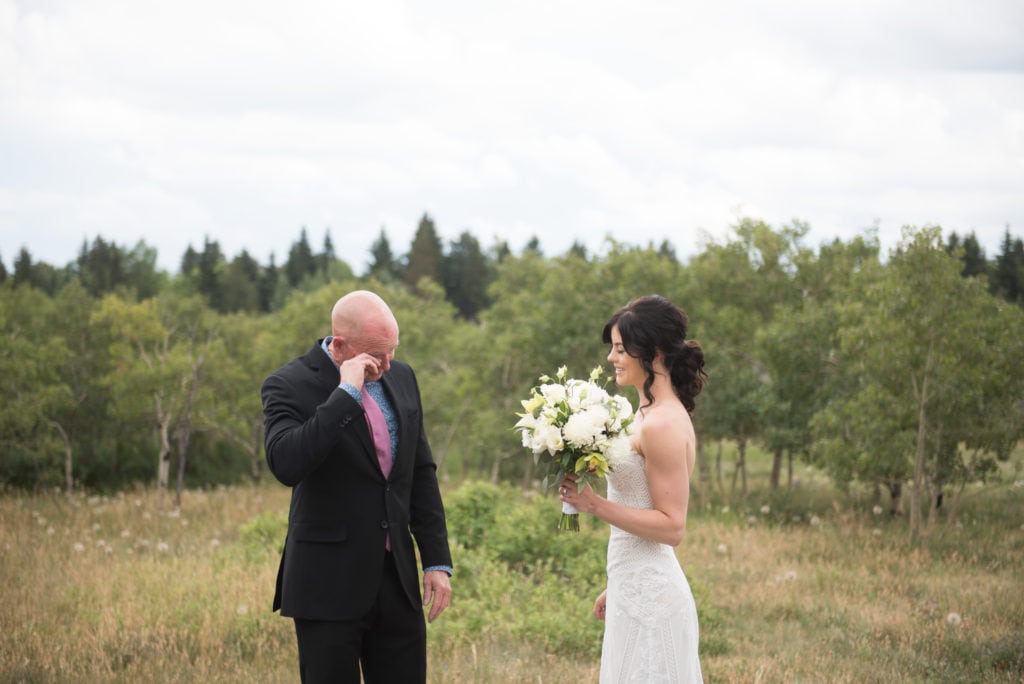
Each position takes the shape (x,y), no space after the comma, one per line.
(651,632)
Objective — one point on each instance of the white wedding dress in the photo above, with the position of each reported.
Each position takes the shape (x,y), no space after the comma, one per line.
(650,632)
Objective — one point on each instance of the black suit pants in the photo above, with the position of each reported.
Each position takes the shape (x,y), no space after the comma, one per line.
(389,643)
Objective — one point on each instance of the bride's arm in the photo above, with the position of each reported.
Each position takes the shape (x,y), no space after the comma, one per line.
(667,449)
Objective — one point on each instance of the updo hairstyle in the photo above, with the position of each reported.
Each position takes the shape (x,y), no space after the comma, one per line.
(651,323)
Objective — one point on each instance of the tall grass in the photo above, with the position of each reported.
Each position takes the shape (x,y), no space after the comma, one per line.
(810,585)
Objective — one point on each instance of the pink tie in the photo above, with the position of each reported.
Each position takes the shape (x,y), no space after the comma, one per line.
(381,439)
(379,430)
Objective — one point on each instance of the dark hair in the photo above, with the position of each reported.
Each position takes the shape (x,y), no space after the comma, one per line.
(654,323)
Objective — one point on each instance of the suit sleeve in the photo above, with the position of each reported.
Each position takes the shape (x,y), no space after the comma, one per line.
(300,433)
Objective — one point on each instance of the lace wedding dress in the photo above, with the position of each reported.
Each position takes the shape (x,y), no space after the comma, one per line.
(650,632)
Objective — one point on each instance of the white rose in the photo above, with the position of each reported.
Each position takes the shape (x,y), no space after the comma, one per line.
(554,393)
(550,437)
(618,449)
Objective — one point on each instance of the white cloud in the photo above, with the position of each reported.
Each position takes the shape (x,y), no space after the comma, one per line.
(569,121)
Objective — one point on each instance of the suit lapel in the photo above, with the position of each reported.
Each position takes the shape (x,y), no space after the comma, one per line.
(327,375)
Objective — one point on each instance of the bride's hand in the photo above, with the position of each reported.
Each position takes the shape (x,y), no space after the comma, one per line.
(600,605)
(570,493)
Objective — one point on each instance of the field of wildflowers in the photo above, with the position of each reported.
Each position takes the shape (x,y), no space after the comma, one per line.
(812,584)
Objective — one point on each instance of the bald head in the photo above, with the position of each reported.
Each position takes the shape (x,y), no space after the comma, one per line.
(362,323)
(360,311)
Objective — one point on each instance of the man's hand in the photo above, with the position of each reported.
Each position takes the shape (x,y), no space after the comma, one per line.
(359,369)
(437,592)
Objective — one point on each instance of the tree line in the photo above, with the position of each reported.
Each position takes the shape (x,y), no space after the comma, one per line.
(900,371)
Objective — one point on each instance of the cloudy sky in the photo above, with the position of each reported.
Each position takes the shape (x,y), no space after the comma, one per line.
(245,120)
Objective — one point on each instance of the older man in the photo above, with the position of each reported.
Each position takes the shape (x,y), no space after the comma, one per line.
(344,429)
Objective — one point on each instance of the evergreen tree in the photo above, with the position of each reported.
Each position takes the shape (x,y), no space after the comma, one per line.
(384,266)
(141,271)
(533,247)
(499,251)
(189,261)
(974,259)
(23,268)
(3,271)
(466,274)
(209,274)
(301,264)
(1008,272)
(668,251)
(425,254)
(268,286)
(969,252)
(326,258)
(241,283)
(101,267)
(578,249)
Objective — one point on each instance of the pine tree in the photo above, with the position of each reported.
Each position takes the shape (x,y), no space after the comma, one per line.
(466,274)
(1008,272)
(384,266)
(3,271)
(425,254)
(975,263)
(301,264)
(578,249)
(23,268)
(326,258)
(268,286)
(101,267)
(209,276)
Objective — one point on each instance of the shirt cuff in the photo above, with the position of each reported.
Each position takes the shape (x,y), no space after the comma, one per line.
(443,568)
(352,392)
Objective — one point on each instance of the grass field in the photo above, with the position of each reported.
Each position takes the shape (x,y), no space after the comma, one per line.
(809,585)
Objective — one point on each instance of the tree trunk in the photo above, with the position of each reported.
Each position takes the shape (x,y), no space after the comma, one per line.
(69,480)
(916,494)
(789,476)
(895,498)
(163,463)
(184,436)
(741,466)
(718,466)
(776,468)
(702,464)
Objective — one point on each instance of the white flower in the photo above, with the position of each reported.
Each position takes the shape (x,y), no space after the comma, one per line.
(877,510)
(554,394)
(163,547)
(584,427)
(722,548)
(242,610)
(765,510)
(78,547)
(548,437)
(877,532)
(954,619)
(815,520)
(618,449)
(790,576)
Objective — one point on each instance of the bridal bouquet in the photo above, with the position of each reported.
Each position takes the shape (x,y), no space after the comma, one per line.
(575,426)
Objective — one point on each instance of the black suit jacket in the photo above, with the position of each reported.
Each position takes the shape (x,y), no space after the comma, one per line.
(318,443)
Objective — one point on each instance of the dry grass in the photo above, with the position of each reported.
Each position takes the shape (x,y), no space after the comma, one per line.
(108,589)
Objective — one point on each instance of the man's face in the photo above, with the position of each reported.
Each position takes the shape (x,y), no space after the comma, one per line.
(379,341)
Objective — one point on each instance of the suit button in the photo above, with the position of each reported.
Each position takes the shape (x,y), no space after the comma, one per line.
(384,524)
